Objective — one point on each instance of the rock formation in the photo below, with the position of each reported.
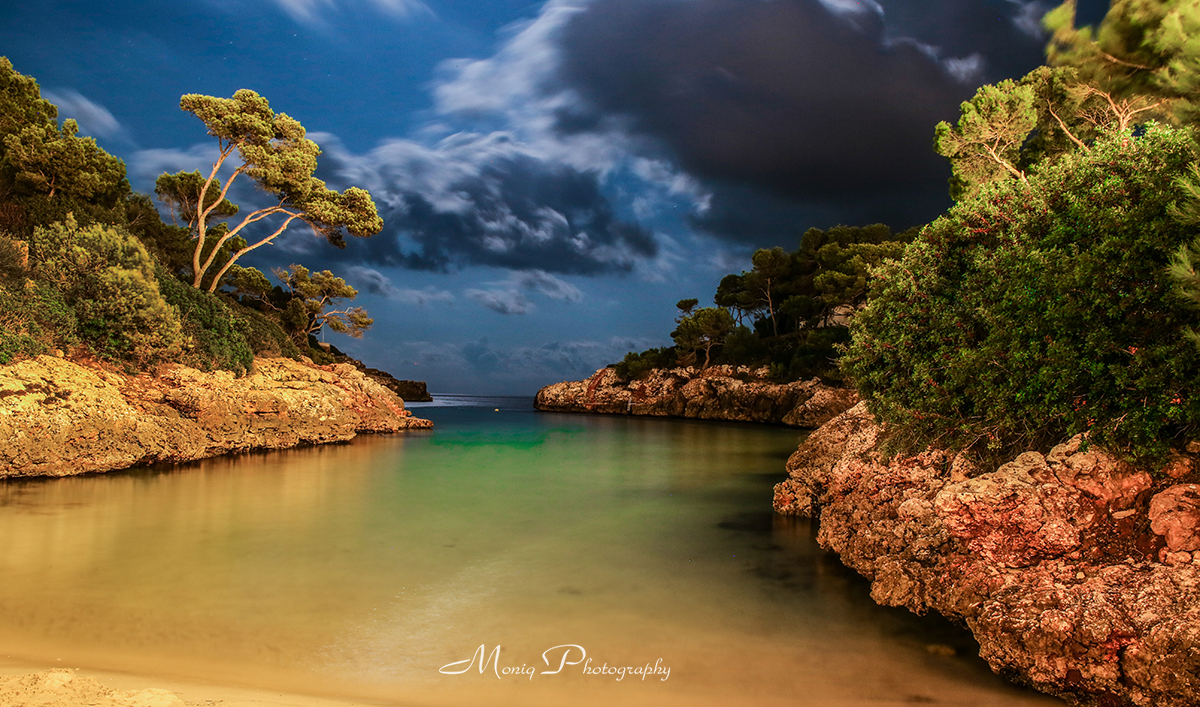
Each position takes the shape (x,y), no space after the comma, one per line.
(411,391)
(1078,574)
(716,393)
(59,418)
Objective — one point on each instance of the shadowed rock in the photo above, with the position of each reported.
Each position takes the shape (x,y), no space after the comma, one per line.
(1056,563)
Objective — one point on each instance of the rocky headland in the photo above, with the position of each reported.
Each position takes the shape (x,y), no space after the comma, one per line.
(59,417)
(716,393)
(1078,574)
(411,391)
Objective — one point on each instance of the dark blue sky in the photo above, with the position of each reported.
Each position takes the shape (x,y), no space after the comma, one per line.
(553,177)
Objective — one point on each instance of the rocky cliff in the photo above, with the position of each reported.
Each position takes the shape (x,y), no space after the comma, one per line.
(59,418)
(716,393)
(1077,573)
(411,391)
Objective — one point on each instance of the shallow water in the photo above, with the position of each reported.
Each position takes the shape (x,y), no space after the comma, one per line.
(360,570)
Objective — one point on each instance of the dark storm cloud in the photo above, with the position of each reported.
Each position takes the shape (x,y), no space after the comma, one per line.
(485,200)
(1007,34)
(824,110)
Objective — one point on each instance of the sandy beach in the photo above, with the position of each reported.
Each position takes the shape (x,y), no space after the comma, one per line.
(25,685)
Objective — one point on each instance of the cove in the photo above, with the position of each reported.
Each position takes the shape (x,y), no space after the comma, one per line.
(361,570)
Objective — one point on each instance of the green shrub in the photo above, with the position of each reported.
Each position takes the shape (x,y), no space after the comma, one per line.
(813,353)
(14,259)
(33,320)
(107,276)
(215,332)
(636,365)
(1039,310)
(263,334)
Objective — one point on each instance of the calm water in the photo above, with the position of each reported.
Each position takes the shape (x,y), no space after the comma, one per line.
(359,570)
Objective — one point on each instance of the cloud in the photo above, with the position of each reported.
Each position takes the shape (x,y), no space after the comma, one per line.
(481,366)
(146,165)
(93,118)
(377,283)
(480,356)
(1028,18)
(794,101)
(310,10)
(484,199)
(966,70)
(502,301)
(548,285)
(820,111)
(508,296)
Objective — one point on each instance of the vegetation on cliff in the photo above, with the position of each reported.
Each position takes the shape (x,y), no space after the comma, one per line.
(89,267)
(1041,306)
(1047,301)
(788,312)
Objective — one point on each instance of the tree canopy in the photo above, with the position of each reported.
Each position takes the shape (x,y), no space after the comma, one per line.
(312,293)
(787,312)
(1141,63)
(92,269)
(1146,50)
(276,154)
(38,157)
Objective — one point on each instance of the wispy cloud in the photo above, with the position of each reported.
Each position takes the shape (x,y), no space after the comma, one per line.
(1029,18)
(377,283)
(966,70)
(145,165)
(501,301)
(93,118)
(509,296)
(311,10)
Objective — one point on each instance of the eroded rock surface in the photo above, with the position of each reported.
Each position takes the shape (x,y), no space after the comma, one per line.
(717,393)
(1074,570)
(59,418)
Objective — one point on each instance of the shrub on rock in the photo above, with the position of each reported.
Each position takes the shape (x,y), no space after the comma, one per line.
(1041,309)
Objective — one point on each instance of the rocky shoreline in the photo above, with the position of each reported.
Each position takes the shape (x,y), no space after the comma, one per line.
(409,391)
(1078,574)
(59,418)
(716,393)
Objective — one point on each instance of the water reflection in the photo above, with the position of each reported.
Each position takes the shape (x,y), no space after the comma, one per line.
(371,564)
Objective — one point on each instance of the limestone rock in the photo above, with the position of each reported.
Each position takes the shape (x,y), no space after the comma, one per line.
(1053,561)
(59,418)
(716,393)
(1175,514)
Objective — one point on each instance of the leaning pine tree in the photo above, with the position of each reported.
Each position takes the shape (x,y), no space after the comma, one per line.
(277,156)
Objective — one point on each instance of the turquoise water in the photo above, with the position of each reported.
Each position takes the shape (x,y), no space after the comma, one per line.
(374,569)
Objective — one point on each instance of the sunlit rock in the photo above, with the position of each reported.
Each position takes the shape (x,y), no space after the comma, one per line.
(59,418)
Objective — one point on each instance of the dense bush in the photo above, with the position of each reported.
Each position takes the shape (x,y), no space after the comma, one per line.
(636,365)
(34,319)
(1041,309)
(263,334)
(217,341)
(107,277)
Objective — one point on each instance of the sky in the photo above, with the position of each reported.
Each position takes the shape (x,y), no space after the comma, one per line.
(553,176)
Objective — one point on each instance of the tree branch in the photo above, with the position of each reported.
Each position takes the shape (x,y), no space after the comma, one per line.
(201,214)
(1063,126)
(221,273)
